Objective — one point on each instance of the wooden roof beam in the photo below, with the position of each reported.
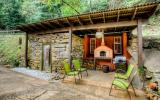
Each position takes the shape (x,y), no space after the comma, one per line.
(80,22)
(23,29)
(95,26)
(134,14)
(35,27)
(30,28)
(69,22)
(104,17)
(41,26)
(49,24)
(118,14)
(58,22)
(91,21)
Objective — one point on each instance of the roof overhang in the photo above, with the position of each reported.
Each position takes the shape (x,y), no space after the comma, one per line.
(112,18)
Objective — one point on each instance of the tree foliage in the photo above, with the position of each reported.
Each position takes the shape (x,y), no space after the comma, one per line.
(15,12)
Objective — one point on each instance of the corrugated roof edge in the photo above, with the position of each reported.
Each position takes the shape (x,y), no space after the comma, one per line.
(146,4)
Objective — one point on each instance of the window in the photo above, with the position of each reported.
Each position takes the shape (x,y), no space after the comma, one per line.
(92,45)
(117,45)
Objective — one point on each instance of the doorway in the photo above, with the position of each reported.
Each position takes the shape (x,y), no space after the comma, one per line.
(46,57)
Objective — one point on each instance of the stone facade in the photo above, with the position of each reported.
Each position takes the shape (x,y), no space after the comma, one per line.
(59,48)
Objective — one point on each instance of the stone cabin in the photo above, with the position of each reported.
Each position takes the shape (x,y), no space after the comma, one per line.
(49,42)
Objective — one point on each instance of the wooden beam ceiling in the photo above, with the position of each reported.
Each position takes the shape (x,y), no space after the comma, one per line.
(90,19)
(58,22)
(118,13)
(70,24)
(94,18)
(79,21)
(104,17)
(94,26)
(49,25)
(134,14)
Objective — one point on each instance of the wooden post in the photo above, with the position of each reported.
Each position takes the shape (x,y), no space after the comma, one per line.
(124,39)
(140,43)
(70,47)
(26,50)
(86,45)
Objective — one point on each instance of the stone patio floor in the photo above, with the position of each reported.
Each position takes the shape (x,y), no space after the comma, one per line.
(17,86)
(99,83)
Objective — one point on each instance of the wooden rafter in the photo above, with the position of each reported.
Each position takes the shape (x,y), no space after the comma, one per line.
(130,12)
(29,28)
(35,27)
(23,29)
(41,26)
(48,24)
(57,22)
(134,14)
(118,14)
(104,17)
(95,26)
(69,22)
(80,22)
(90,19)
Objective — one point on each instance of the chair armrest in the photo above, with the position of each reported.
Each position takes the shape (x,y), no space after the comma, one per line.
(120,71)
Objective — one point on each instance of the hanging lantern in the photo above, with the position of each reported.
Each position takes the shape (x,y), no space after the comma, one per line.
(99,34)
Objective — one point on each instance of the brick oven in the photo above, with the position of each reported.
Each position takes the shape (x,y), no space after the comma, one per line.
(103,55)
(103,52)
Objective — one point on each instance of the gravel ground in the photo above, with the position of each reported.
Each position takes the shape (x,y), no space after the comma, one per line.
(35,73)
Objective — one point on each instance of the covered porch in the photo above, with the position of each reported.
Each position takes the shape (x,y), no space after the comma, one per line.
(99,84)
(113,22)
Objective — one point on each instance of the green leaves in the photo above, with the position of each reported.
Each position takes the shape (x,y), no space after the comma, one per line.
(9,48)
(15,12)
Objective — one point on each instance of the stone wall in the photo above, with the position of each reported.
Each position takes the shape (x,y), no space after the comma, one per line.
(77,47)
(59,48)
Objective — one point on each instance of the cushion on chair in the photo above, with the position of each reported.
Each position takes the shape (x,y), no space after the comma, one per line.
(127,74)
(72,73)
(82,69)
(119,75)
(121,83)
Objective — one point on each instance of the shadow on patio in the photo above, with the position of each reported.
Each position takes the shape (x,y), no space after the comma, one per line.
(98,83)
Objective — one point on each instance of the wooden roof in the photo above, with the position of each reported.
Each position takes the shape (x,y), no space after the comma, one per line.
(93,18)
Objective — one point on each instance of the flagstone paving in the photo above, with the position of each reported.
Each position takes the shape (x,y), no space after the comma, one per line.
(16,86)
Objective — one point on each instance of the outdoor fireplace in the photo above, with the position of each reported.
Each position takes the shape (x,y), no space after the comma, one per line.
(103,52)
(103,55)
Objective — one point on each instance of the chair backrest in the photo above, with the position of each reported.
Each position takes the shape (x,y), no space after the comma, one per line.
(76,64)
(129,70)
(66,66)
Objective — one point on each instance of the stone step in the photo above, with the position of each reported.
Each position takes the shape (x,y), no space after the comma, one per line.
(103,91)
(104,84)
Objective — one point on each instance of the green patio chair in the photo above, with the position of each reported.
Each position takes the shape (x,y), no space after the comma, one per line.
(68,70)
(77,66)
(125,75)
(123,84)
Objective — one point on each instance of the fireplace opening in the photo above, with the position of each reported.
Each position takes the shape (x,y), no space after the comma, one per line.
(102,53)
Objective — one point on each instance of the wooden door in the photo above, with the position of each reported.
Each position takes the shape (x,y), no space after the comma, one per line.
(46,57)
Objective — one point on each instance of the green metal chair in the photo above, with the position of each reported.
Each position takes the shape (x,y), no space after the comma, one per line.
(77,66)
(123,84)
(124,75)
(68,70)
